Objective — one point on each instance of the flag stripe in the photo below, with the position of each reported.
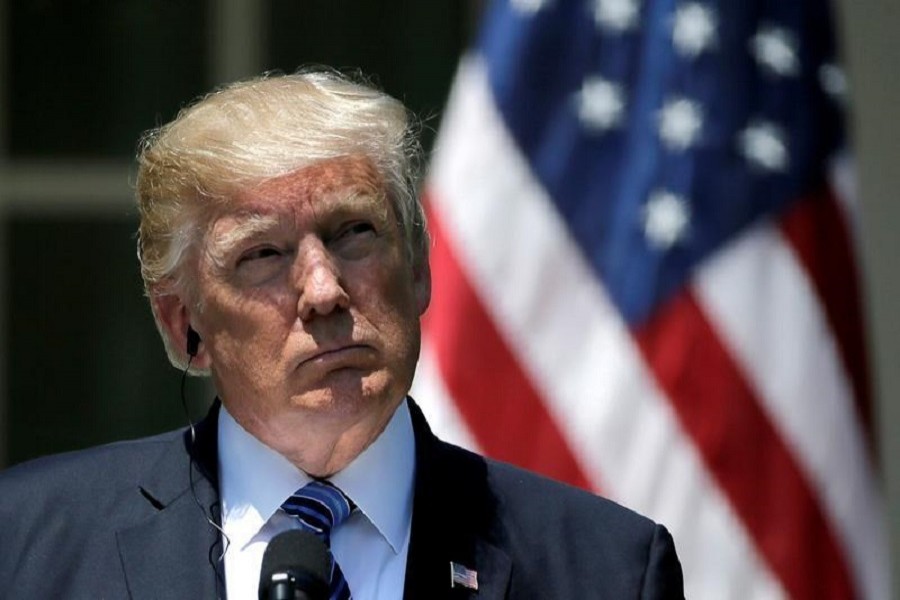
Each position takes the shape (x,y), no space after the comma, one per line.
(818,233)
(743,451)
(437,403)
(528,436)
(758,298)
(635,449)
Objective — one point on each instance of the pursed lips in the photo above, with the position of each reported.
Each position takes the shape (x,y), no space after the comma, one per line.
(335,352)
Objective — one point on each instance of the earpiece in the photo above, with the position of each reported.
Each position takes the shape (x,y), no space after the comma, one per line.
(193,341)
(193,347)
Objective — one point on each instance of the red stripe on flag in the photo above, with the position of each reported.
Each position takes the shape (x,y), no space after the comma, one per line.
(494,395)
(817,231)
(743,451)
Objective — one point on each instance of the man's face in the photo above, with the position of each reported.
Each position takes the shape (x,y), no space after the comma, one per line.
(308,306)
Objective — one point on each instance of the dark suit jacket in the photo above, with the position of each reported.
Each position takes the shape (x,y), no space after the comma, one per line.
(136,520)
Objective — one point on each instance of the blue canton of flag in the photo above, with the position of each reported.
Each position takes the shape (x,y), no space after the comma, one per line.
(662,129)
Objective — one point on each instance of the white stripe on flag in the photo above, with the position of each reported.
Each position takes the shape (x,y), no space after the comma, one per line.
(760,300)
(544,298)
(436,403)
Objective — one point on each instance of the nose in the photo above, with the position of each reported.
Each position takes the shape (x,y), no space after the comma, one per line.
(319,282)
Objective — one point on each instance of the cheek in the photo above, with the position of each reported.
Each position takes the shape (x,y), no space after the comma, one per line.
(391,295)
(245,327)
(399,316)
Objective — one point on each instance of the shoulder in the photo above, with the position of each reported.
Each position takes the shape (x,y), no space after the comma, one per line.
(60,515)
(79,494)
(487,489)
(92,472)
(522,491)
(523,496)
(556,529)
(525,493)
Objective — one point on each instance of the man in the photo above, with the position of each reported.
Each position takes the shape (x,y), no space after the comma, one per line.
(284,253)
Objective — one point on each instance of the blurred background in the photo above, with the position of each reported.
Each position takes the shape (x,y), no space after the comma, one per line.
(80,80)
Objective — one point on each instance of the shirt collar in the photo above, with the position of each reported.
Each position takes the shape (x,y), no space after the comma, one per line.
(255,480)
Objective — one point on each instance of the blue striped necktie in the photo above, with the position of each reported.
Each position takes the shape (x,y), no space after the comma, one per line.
(319,507)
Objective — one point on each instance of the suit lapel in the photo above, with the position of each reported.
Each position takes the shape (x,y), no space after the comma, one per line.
(454,521)
(163,554)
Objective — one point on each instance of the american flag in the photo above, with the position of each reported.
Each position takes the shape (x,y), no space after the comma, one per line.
(463,577)
(645,283)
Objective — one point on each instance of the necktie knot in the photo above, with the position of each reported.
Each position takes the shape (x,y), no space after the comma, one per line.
(319,507)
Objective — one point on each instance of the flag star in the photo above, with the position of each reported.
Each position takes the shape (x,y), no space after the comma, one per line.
(833,81)
(601,103)
(528,7)
(616,15)
(764,145)
(693,29)
(775,49)
(680,121)
(666,219)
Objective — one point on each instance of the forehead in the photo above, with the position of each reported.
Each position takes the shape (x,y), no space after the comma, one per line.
(317,195)
(334,179)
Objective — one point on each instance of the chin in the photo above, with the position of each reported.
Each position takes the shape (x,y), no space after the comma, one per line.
(347,394)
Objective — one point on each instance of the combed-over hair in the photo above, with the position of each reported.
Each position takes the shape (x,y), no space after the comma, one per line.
(254,130)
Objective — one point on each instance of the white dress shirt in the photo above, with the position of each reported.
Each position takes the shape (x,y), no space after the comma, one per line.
(371,545)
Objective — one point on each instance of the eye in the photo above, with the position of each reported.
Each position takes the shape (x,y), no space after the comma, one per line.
(260,253)
(355,229)
(354,240)
(260,264)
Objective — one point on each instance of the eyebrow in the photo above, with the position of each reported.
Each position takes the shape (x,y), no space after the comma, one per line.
(246,228)
(363,200)
(250,224)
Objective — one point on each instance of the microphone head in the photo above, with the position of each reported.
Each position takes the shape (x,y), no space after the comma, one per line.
(296,564)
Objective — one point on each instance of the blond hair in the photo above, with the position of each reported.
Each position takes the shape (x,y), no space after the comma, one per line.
(254,130)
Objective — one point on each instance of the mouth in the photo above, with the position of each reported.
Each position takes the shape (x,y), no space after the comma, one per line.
(342,356)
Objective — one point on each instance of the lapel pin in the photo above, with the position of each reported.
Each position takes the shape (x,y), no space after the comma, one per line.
(463,577)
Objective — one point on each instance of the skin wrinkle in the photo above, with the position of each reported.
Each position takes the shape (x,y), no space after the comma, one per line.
(312,347)
(258,223)
(254,225)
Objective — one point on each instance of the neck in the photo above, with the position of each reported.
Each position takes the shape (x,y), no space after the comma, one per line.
(319,444)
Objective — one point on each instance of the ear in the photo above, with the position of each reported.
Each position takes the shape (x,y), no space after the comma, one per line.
(174,318)
(422,284)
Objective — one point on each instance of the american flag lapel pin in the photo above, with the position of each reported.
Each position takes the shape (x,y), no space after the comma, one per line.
(463,577)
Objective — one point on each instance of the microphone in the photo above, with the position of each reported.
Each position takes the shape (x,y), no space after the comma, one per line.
(296,566)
